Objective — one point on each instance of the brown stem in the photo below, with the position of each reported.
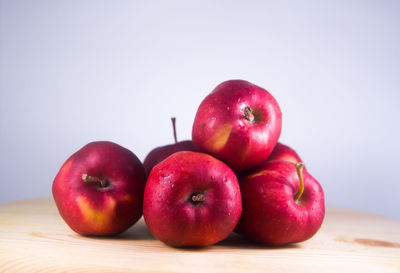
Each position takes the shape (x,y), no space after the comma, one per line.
(88,178)
(248,114)
(299,168)
(174,129)
(198,197)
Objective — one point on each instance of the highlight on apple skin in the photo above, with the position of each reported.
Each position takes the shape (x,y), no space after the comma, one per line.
(238,123)
(191,200)
(99,189)
(282,204)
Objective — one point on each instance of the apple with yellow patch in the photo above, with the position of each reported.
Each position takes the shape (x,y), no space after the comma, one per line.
(99,189)
(239,123)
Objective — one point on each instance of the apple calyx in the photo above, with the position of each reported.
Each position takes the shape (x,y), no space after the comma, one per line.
(173,119)
(248,114)
(198,198)
(299,169)
(88,178)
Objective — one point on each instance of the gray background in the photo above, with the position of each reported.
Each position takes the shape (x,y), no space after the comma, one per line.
(76,71)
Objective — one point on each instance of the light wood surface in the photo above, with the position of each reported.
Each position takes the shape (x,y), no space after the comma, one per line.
(34,238)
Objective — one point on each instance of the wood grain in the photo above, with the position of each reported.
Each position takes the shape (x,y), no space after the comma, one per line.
(34,238)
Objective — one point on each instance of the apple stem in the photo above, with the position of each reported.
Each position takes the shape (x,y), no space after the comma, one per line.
(174,129)
(248,114)
(299,168)
(198,197)
(88,178)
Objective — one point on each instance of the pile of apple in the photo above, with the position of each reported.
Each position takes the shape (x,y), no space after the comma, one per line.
(232,176)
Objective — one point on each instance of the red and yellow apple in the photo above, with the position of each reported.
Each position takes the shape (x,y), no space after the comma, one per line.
(238,123)
(99,189)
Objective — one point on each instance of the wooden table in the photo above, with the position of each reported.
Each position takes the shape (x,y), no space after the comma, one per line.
(34,238)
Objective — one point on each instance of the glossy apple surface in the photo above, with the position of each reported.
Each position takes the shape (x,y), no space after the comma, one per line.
(191,199)
(99,189)
(271,214)
(160,153)
(239,123)
(284,152)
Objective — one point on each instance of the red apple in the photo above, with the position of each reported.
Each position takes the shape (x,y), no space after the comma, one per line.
(284,152)
(191,199)
(160,153)
(282,204)
(239,123)
(99,189)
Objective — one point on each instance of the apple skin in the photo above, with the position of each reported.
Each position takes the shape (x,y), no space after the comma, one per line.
(238,123)
(270,214)
(160,153)
(87,207)
(171,213)
(284,152)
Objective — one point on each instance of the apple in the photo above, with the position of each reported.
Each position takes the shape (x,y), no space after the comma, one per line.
(99,189)
(282,204)
(238,123)
(284,152)
(191,200)
(160,153)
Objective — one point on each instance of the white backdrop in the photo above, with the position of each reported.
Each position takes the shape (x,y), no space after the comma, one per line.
(76,71)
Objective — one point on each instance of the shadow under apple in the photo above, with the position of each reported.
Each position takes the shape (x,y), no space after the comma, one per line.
(139,231)
(235,240)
